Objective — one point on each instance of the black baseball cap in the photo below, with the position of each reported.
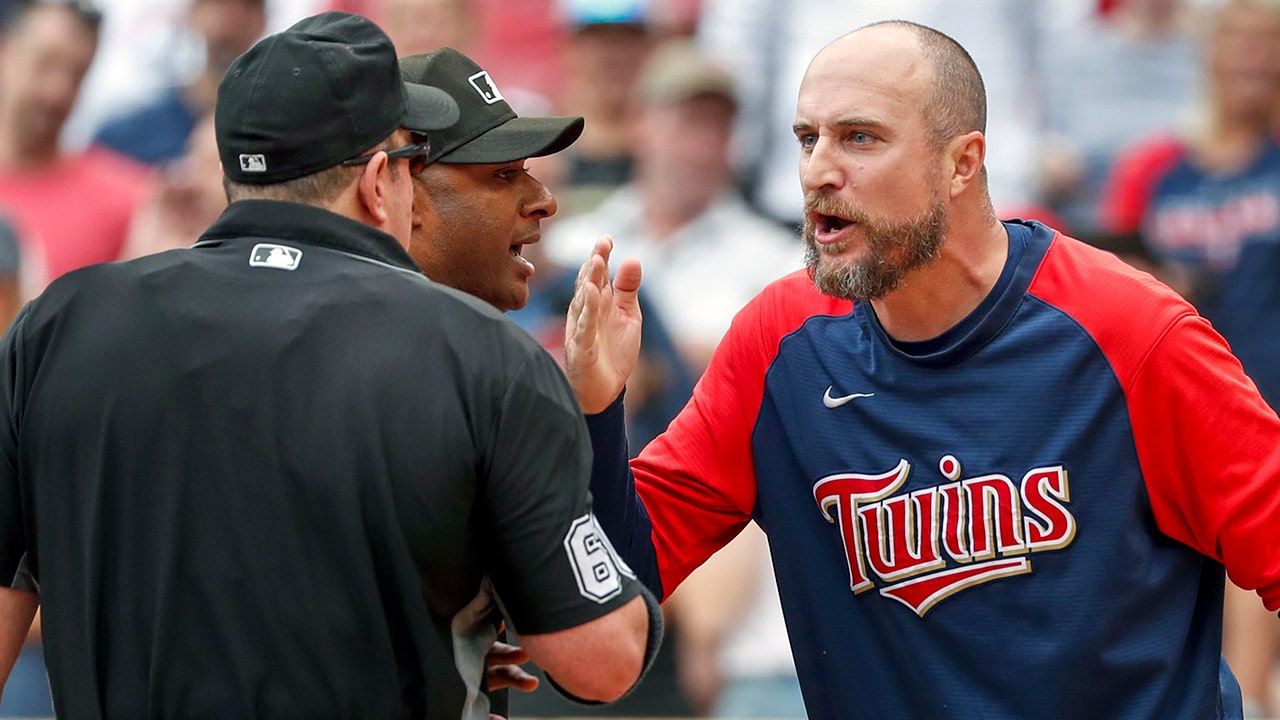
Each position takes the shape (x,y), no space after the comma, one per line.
(325,90)
(488,130)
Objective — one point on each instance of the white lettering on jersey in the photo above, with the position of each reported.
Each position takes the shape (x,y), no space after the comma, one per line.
(596,565)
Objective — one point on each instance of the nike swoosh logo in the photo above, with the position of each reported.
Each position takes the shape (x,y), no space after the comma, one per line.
(835,402)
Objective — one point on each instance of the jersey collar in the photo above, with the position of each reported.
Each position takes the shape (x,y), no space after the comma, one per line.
(309,225)
(1028,243)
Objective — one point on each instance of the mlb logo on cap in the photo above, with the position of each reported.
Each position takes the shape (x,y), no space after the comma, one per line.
(253,163)
(280,257)
(486,87)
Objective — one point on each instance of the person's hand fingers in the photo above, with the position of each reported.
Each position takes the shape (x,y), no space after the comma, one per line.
(504,661)
(506,654)
(604,248)
(593,274)
(584,322)
(511,676)
(589,268)
(626,285)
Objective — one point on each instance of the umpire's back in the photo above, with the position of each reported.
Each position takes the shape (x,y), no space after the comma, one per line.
(281,473)
(239,465)
(248,479)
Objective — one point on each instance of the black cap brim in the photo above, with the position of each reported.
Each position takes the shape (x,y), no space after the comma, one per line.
(516,139)
(428,108)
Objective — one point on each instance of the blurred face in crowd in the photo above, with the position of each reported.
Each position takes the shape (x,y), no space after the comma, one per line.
(874,206)
(420,26)
(683,147)
(228,27)
(197,179)
(1244,59)
(605,60)
(43,60)
(471,223)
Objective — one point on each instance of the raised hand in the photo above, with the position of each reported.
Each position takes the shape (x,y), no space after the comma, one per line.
(602,331)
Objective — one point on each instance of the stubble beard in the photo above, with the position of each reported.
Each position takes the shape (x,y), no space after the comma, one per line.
(893,249)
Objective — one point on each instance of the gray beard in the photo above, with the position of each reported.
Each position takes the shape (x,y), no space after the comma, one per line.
(893,250)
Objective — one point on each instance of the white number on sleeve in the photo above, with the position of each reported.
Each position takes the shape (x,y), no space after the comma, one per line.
(595,563)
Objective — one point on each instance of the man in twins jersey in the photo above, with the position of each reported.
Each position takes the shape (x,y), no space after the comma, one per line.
(1002,482)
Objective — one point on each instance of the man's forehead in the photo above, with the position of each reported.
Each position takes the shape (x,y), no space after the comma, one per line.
(877,71)
(865,85)
(880,50)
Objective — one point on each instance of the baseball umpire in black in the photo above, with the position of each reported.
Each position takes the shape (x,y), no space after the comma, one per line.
(283,474)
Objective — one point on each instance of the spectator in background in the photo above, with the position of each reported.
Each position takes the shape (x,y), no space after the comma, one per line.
(70,209)
(1206,201)
(157,131)
(1110,80)
(185,199)
(11,299)
(705,252)
(603,53)
(767,44)
(420,26)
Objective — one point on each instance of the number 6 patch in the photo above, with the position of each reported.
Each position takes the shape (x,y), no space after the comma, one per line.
(595,563)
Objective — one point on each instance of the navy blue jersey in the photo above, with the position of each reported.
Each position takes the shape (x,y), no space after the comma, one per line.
(1026,517)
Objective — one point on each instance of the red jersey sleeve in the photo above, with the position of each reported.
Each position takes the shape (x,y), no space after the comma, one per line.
(1207,443)
(699,475)
(1210,452)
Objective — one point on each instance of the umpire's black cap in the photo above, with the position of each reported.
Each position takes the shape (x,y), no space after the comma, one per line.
(489,131)
(325,90)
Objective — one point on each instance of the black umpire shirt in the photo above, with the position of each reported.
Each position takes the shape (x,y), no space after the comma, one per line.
(282,474)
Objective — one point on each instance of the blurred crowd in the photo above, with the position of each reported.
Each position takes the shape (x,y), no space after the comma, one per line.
(1147,127)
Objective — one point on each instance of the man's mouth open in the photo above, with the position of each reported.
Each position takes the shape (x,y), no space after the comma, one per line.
(829,228)
(521,260)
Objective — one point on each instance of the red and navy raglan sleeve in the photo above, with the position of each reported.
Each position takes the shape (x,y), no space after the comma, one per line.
(1207,444)
(697,480)
(1209,448)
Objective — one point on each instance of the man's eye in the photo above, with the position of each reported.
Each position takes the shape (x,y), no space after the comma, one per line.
(861,138)
(807,140)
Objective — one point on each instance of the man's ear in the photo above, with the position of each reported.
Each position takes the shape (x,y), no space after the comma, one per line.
(373,188)
(966,153)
